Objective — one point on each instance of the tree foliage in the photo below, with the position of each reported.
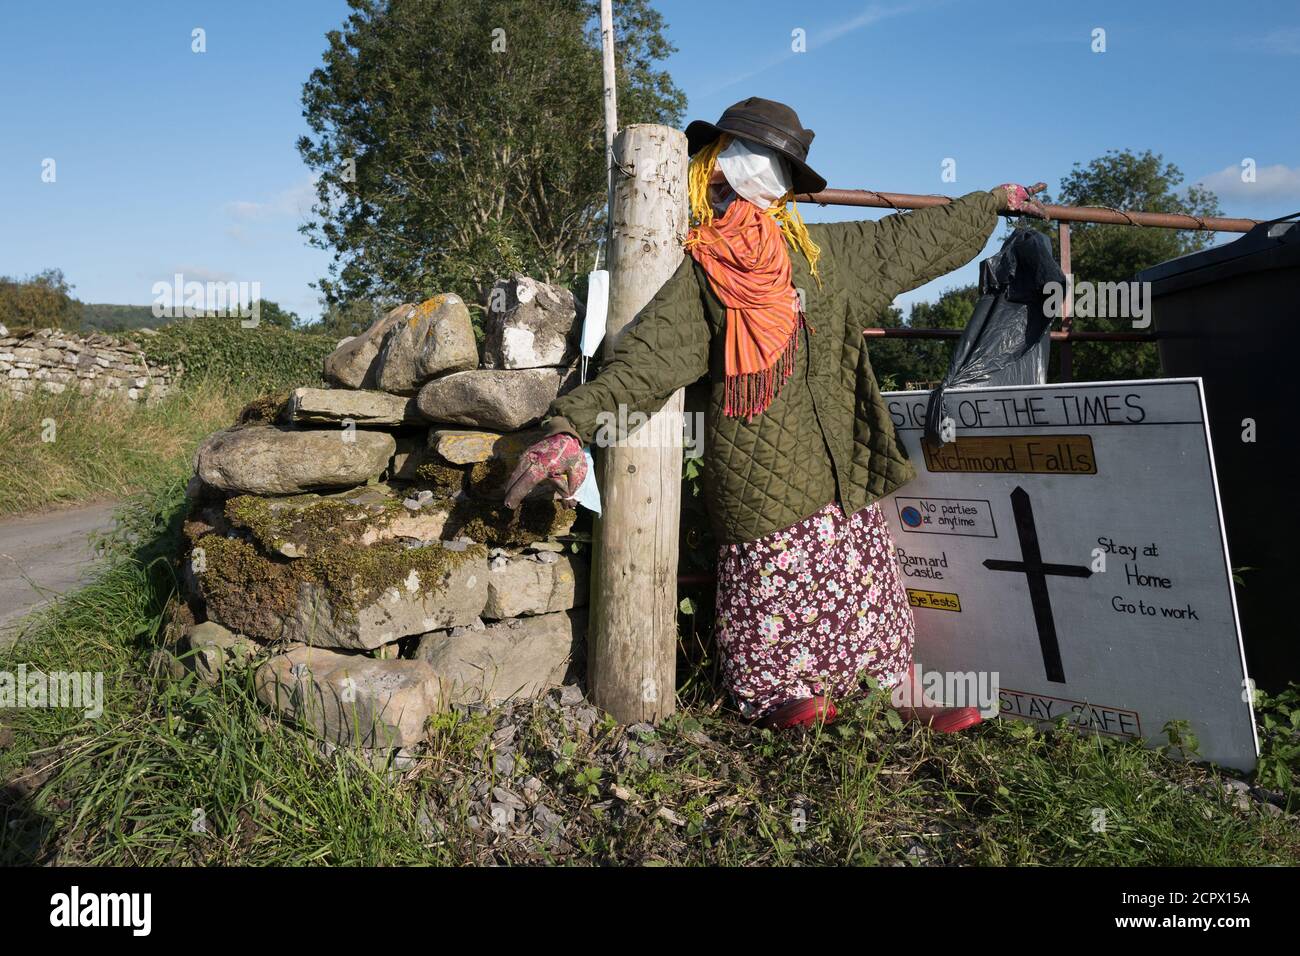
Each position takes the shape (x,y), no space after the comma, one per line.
(1119,179)
(1123,179)
(343,319)
(41,301)
(272,314)
(106,317)
(45,301)
(457,142)
(921,363)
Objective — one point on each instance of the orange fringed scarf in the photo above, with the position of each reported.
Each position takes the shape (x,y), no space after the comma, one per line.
(748,266)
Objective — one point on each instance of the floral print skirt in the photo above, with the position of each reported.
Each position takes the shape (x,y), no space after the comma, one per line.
(810,608)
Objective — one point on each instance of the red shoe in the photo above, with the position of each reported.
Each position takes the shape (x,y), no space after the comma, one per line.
(804,712)
(944,720)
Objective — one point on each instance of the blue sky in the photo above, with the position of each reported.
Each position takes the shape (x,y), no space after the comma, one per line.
(168,160)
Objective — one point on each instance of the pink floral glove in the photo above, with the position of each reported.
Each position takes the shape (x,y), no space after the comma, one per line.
(556,458)
(1020,200)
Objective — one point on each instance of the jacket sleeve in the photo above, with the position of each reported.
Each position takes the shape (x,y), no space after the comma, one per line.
(906,250)
(663,349)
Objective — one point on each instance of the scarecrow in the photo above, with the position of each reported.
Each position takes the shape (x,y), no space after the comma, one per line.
(799,445)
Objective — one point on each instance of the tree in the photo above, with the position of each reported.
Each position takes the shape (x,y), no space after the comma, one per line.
(921,363)
(105,317)
(1122,179)
(458,142)
(350,318)
(270,313)
(41,301)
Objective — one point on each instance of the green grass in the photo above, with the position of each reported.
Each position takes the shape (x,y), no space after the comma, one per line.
(67,449)
(702,789)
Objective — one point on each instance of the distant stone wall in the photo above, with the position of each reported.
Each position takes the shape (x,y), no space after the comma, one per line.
(54,361)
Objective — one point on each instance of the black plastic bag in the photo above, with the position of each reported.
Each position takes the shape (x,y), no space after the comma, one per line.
(1006,340)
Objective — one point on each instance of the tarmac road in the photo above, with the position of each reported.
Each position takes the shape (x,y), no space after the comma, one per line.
(42,556)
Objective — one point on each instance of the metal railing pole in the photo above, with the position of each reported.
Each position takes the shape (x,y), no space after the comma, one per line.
(1094,214)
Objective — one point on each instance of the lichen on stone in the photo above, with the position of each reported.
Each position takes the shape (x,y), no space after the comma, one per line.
(443,480)
(356,576)
(428,307)
(311,522)
(252,592)
(247,591)
(495,524)
(252,583)
(264,409)
(488,478)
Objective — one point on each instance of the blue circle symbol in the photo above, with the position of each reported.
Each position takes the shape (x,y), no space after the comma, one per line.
(911,517)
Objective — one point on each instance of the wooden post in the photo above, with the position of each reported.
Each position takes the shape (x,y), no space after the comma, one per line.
(611,93)
(632,645)
(1067,306)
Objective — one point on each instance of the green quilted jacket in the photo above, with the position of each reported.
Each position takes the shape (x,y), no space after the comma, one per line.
(828,435)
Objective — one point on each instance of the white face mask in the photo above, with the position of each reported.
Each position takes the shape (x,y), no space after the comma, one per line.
(755,172)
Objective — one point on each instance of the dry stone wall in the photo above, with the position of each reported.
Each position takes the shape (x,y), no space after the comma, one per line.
(350,546)
(54,361)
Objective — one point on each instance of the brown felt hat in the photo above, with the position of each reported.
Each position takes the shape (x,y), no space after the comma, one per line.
(770,123)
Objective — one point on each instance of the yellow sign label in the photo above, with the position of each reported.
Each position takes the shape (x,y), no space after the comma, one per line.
(935,600)
(1015,454)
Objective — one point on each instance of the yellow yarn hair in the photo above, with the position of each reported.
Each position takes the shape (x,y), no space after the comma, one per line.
(785,210)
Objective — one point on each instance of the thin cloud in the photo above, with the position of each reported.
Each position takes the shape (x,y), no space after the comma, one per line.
(871,15)
(1272,183)
(1284,41)
(198,274)
(294,202)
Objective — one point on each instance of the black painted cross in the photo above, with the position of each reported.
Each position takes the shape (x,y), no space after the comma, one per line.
(1035,572)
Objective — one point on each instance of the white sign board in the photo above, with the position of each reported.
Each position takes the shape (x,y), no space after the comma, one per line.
(1070,541)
